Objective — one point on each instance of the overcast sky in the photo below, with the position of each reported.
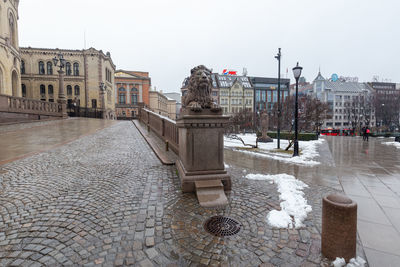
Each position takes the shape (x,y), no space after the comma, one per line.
(168,37)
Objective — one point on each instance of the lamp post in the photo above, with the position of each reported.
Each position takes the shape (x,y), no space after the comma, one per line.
(103,88)
(278,57)
(59,61)
(296,73)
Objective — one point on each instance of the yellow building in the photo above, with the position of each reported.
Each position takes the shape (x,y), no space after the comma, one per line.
(84,71)
(235,93)
(10,60)
(162,105)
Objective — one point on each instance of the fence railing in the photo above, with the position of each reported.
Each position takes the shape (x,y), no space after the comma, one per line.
(162,126)
(29,106)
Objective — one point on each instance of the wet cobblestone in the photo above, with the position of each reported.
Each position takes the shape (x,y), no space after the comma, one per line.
(105,199)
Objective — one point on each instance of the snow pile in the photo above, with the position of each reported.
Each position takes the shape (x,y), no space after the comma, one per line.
(357,262)
(294,207)
(308,149)
(396,144)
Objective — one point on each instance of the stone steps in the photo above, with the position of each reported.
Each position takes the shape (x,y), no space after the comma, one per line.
(210,193)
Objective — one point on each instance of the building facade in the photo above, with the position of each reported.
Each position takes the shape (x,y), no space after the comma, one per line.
(84,71)
(350,103)
(266,92)
(10,59)
(387,104)
(177,97)
(159,104)
(235,93)
(131,92)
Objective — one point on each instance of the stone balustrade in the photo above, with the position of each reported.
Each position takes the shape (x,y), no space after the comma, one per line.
(21,105)
(162,126)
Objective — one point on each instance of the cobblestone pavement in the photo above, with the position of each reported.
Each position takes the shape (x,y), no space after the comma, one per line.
(105,199)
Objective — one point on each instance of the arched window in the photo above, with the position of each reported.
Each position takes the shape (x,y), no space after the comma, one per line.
(76,69)
(77,90)
(13,36)
(122,95)
(51,89)
(22,67)
(41,67)
(134,96)
(23,86)
(69,90)
(42,90)
(68,71)
(49,68)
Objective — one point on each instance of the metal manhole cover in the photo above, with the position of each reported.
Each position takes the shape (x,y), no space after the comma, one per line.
(222,226)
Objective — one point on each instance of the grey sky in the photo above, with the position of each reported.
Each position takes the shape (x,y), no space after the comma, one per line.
(168,37)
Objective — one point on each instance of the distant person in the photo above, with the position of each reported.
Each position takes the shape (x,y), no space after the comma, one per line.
(367,131)
(364,132)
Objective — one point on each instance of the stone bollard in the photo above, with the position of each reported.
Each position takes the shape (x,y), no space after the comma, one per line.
(339,227)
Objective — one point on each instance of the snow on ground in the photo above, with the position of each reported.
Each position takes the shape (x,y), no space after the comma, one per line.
(294,207)
(357,262)
(308,149)
(396,144)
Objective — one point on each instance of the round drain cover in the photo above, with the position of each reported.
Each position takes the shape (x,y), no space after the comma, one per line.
(222,226)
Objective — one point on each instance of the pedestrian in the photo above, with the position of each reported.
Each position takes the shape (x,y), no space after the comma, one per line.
(363,130)
(366,133)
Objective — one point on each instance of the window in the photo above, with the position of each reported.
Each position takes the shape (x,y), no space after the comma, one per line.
(49,68)
(69,90)
(134,99)
(42,89)
(41,68)
(76,69)
(121,95)
(122,98)
(94,103)
(51,90)
(22,67)
(77,90)
(23,90)
(68,69)
(12,31)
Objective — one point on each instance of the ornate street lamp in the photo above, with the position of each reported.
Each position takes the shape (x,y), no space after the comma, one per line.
(103,88)
(278,57)
(296,73)
(59,61)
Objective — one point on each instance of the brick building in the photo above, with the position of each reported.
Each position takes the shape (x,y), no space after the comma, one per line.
(131,91)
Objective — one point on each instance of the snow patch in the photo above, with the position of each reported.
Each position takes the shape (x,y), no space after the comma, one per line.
(396,144)
(308,149)
(294,207)
(357,262)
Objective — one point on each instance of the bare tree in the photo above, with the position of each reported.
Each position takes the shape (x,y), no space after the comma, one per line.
(359,110)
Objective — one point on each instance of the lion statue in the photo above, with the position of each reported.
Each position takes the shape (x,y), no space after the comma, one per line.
(198,96)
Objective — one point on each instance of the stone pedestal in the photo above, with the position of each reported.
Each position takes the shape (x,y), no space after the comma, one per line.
(201,148)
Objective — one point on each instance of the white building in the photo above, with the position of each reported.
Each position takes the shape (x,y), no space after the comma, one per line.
(350,103)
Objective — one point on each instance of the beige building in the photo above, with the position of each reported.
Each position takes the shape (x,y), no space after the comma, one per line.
(235,95)
(171,108)
(84,71)
(162,105)
(10,60)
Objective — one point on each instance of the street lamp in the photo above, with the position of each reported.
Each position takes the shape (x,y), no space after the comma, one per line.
(59,61)
(278,57)
(103,88)
(296,73)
